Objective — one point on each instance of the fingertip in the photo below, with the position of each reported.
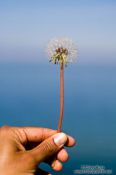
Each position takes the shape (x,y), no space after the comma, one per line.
(60,139)
(57,165)
(62,155)
(70,141)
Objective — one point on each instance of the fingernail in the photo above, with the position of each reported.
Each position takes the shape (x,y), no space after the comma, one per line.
(60,139)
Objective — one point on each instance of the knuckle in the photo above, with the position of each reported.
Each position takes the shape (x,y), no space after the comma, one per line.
(5,128)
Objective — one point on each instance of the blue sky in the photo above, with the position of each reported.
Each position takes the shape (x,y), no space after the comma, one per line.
(26,26)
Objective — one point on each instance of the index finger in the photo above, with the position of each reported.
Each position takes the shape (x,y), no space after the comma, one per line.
(33,134)
(38,134)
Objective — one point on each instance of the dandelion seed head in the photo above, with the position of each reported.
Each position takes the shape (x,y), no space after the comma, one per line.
(62,50)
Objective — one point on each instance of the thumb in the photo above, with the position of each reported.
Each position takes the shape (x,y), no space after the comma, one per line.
(48,147)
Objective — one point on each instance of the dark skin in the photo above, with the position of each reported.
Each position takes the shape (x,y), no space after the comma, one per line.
(22,149)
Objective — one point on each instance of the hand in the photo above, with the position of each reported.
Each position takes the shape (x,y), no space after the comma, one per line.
(22,149)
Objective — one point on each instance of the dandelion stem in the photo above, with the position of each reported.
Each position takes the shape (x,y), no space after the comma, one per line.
(61,96)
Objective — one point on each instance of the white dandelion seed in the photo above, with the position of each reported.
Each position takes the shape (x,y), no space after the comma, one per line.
(62,50)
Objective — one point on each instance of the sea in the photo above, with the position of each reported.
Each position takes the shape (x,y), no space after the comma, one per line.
(29,96)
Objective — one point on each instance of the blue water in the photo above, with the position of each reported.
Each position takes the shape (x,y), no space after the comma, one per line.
(29,95)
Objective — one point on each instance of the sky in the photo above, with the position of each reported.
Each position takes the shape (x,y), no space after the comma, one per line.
(27,26)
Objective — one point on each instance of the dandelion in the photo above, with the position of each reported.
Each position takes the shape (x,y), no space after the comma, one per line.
(61,51)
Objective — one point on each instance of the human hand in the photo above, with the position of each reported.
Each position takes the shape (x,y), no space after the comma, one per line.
(22,149)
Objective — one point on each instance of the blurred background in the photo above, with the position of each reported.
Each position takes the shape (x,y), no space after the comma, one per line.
(29,84)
